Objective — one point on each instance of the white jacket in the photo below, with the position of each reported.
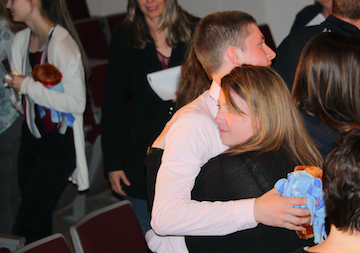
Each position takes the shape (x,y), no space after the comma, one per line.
(64,53)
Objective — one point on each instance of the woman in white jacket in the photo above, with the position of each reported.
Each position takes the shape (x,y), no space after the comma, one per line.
(51,151)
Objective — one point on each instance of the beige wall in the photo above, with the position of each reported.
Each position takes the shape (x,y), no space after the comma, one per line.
(279,14)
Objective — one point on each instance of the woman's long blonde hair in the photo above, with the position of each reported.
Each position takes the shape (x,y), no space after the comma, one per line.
(276,120)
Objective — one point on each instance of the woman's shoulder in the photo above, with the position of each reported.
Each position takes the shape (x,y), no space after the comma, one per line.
(21,41)
(61,34)
(61,39)
(228,160)
(271,164)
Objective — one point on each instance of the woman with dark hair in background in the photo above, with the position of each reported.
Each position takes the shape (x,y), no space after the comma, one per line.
(10,130)
(326,87)
(153,37)
(51,150)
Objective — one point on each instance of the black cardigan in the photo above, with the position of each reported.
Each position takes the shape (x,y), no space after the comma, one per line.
(288,53)
(244,176)
(127,131)
(227,177)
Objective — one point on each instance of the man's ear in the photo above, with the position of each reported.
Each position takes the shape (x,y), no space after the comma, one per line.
(233,55)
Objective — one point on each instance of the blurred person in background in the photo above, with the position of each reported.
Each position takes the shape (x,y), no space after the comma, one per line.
(153,37)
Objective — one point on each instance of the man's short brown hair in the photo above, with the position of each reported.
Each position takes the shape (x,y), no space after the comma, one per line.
(218,31)
(347,9)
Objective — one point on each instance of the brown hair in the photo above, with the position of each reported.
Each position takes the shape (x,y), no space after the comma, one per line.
(327,79)
(175,21)
(57,12)
(216,32)
(347,9)
(342,183)
(277,120)
(14,26)
(193,80)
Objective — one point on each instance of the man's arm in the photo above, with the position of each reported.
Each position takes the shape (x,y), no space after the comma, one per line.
(175,214)
(189,144)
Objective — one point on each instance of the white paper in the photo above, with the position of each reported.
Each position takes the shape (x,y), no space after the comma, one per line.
(164,82)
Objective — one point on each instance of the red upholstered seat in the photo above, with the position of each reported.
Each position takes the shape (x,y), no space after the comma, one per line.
(115,20)
(54,243)
(114,228)
(97,82)
(92,36)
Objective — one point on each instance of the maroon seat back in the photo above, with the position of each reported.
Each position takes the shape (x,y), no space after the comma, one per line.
(92,36)
(54,243)
(115,20)
(111,229)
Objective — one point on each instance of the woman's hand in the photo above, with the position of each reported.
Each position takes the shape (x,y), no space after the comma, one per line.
(15,82)
(115,177)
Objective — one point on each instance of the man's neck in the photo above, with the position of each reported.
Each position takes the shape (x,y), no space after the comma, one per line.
(226,69)
(354,22)
(338,241)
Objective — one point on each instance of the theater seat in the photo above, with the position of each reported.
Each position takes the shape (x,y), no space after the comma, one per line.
(114,228)
(114,21)
(54,243)
(92,36)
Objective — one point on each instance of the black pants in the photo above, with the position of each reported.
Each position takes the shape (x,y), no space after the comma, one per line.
(9,187)
(44,167)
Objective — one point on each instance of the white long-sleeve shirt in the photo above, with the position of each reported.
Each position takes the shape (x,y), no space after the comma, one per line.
(191,141)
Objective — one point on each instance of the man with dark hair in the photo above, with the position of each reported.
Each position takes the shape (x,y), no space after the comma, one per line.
(222,41)
(345,19)
(342,196)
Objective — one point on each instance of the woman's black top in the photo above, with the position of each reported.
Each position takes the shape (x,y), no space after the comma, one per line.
(232,177)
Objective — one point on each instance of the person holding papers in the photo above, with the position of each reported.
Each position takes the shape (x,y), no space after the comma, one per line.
(153,37)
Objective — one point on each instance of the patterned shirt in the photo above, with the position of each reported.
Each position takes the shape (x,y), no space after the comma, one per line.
(8,113)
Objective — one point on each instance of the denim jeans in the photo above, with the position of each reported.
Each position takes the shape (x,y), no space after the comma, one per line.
(141,209)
